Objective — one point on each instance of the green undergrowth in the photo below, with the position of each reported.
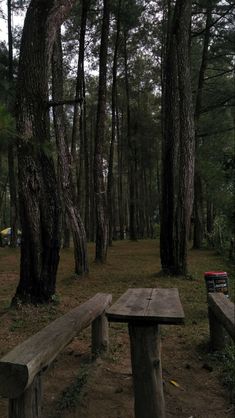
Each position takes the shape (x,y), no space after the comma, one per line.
(224,361)
(228,368)
(72,394)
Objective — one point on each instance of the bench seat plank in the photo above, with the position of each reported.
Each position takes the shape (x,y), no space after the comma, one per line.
(19,367)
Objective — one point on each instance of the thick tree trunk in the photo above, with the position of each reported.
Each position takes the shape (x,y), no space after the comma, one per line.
(38,190)
(178,129)
(65,167)
(187,136)
(99,186)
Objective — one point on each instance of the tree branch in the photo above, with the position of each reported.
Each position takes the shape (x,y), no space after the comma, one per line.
(218,75)
(200,135)
(194,34)
(216,106)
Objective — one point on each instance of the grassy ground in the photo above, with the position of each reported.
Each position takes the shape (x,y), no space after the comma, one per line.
(129,265)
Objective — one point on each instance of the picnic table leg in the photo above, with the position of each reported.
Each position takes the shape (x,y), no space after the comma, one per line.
(145,343)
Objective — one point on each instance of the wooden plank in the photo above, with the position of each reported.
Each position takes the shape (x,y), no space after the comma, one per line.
(166,306)
(147,371)
(224,310)
(162,306)
(132,303)
(19,367)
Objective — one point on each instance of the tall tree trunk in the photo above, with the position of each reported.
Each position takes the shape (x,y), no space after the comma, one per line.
(65,167)
(198,197)
(183,10)
(99,186)
(87,166)
(131,154)
(120,179)
(92,123)
(11,146)
(110,191)
(178,128)
(79,125)
(38,189)
(170,143)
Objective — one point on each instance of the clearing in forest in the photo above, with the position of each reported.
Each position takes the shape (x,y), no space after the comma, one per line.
(77,387)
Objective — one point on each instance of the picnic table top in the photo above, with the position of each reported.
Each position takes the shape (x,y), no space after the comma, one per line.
(161,306)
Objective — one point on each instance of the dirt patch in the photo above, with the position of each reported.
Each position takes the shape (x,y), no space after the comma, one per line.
(108,391)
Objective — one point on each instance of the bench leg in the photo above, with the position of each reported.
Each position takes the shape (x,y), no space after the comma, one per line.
(100,335)
(147,371)
(29,404)
(217,332)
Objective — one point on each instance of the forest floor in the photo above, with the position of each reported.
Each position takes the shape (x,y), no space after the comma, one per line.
(77,387)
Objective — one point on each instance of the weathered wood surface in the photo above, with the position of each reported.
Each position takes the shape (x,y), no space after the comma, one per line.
(19,367)
(224,310)
(162,306)
(147,371)
(29,404)
(100,335)
(217,332)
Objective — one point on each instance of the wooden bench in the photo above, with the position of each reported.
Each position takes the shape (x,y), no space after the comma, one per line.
(22,369)
(221,312)
(144,310)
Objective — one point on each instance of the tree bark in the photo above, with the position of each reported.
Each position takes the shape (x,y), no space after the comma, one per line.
(187,136)
(80,76)
(38,189)
(170,144)
(65,167)
(11,146)
(110,185)
(120,179)
(178,144)
(99,186)
(87,166)
(131,155)
(198,192)
(66,231)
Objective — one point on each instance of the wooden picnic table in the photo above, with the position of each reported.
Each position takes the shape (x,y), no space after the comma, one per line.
(145,310)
